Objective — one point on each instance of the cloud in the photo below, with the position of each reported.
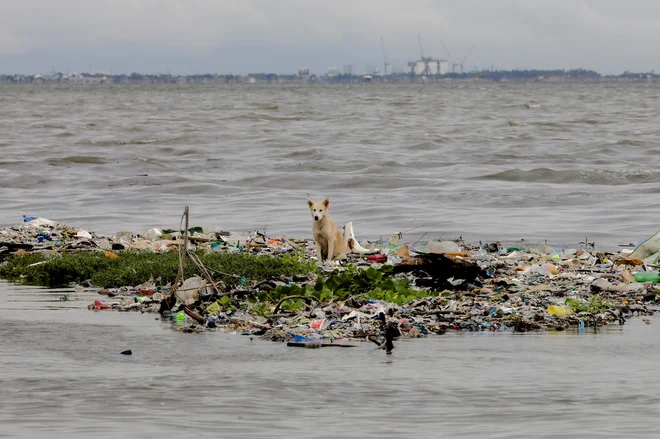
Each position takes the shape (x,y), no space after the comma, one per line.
(273,35)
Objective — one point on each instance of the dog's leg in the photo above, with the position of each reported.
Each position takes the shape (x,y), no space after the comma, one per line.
(331,249)
(319,251)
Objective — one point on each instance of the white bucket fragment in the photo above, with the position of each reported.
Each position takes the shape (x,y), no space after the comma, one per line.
(189,292)
(153,235)
(83,234)
(352,246)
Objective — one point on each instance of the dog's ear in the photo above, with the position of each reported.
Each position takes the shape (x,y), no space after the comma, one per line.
(326,202)
(310,203)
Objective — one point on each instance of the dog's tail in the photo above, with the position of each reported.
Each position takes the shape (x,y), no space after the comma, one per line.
(351,243)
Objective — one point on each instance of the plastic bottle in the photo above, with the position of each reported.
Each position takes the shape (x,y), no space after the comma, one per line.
(647,276)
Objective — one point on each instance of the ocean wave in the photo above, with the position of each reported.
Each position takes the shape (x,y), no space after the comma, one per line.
(49,126)
(77,160)
(630,142)
(267,106)
(592,176)
(266,117)
(121,142)
(311,154)
(402,103)
(425,146)
(590,122)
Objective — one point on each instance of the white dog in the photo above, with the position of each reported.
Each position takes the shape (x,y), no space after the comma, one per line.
(329,241)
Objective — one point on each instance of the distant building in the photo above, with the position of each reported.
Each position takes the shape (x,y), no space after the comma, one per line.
(350,69)
(303,71)
(429,67)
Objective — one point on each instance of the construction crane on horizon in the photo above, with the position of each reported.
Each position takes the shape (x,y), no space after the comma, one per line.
(385,62)
(446,50)
(427,67)
(460,64)
(421,50)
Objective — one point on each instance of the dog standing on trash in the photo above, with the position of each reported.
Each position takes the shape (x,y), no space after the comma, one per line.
(329,240)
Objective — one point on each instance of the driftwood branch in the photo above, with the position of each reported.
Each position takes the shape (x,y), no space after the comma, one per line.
(193,257)
(182,252)
(194,315)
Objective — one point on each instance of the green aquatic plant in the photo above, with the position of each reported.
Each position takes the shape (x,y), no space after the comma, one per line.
(596,304)
(354,282)
(133,268)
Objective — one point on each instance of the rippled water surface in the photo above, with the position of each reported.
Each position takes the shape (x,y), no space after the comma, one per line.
(62,376)
(486,161)
(562,162)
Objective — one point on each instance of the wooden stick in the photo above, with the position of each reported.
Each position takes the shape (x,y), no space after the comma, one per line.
(193,257)
(193,315)
(182,253)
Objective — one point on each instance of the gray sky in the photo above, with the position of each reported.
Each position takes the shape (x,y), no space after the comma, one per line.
(241,36)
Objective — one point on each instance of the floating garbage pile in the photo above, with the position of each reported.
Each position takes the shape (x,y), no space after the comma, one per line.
(390,290)
(41,234)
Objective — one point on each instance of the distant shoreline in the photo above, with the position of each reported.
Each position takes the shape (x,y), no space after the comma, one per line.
(515,76)
(312,84)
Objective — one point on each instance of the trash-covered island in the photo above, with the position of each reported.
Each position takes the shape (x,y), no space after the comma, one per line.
(275,288)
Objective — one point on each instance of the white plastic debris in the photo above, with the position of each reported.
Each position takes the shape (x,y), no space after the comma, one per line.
(153,235)
(40,223)
(189,291)
(351,243)
(443,247)
(84,234)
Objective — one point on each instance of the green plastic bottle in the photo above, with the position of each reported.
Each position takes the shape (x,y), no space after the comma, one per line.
(648,276)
